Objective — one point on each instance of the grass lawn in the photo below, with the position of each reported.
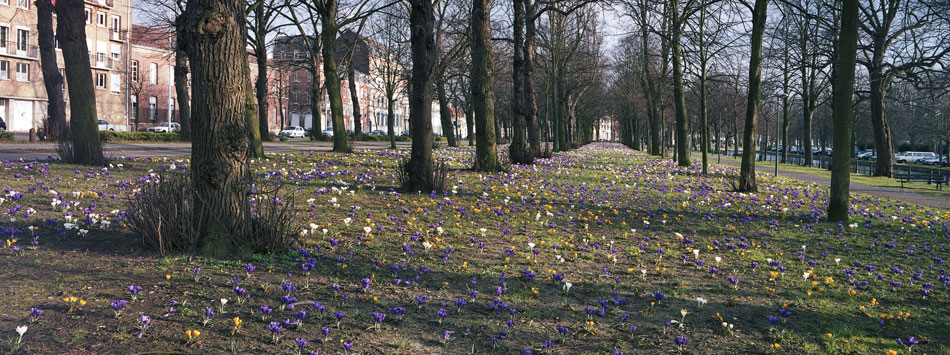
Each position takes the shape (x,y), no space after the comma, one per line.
(878,181)
(595,251)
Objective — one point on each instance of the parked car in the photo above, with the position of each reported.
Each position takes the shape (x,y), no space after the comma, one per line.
(913,157)
(377,133)
(350,133)
(865,155)
(795,150)
(293,132)
(3,125)
(405,133)
(930,161)
(106,126)
(827,152)
(328,131)
(166,127)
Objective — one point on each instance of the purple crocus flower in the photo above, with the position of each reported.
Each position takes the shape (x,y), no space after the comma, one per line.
(35,314)
(681,340)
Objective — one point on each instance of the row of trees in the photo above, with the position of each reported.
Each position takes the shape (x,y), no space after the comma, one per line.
(690,50)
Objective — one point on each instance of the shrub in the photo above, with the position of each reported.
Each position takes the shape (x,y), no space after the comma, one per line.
(440,174)
(6,136)
(161,214)
(112,136)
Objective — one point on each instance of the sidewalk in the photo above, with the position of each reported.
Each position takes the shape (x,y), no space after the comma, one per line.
(905,195)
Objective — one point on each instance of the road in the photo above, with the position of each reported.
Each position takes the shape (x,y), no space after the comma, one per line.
(30,151)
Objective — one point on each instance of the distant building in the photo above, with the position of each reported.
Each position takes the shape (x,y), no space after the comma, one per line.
(23,98)
(291,54)
(152,79)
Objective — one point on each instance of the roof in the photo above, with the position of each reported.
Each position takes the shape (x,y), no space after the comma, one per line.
(153,37)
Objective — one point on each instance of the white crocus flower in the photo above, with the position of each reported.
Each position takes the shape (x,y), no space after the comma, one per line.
(567,286)
(21,330)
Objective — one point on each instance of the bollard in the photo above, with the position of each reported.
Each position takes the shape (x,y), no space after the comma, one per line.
(32,134)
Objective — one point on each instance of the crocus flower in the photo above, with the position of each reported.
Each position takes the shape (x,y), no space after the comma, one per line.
(275,329)
(35,314)
(134,290)
(117,306)
(144,322)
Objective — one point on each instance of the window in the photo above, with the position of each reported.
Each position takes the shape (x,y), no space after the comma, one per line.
(22,71)
(5,2)
(62,72)
(101,19)
(100,80)
(22,39)
(115,83)
(4,36)
(152,73)
(134,71)
(4,70)
(116,22)
(23,4)
(152,108)
(88,16)
(134,100)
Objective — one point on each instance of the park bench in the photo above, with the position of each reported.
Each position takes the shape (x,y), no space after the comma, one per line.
(938,180)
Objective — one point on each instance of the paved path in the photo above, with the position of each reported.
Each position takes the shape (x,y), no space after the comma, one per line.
(30,151)
(906,195)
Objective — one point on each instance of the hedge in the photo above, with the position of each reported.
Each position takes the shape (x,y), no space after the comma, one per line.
(111,136)
(6,136)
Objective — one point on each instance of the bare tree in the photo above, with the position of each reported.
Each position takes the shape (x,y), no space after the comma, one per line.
(71,29)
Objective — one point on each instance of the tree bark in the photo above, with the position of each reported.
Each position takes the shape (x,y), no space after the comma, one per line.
(260,51)
(256,146)
(71,29)
(679,98)
(530,98)
(355,99)
(332,79)
(391,121)
(483,98)
(445,114)
(181,91)
(470,122)
(747,170)
(422,47)
(518,150)
(882,131)
(216,32)
(52,78)
(843,120)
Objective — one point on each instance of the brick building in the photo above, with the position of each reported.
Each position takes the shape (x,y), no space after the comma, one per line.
(152,96)
(292,57)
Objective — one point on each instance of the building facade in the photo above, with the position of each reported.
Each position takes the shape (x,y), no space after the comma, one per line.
(292,57)
(23,98)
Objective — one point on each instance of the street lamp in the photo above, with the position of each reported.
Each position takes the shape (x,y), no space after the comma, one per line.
(782,96)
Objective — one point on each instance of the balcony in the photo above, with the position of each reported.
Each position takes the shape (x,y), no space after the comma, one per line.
(101,61)
(118,35)
(12,48)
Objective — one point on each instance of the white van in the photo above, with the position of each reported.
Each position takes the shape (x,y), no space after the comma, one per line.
(913,157)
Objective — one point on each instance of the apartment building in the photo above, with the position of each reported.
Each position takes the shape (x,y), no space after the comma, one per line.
(292,57)
(23,98)
(152,98)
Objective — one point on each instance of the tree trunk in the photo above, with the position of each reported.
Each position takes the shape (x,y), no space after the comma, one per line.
(530,98)
(679,98)
(703,120)
(221,84)
(422,47)
(391,121)
(518,150)
(316,106)
(483,98)
(52,78)
(332,79)
(256,146)
(355,99)
(260,49)
(445,114)
(470,123)
(71,28)
(882,132)
(843,120)
(747,170)
(181,91)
